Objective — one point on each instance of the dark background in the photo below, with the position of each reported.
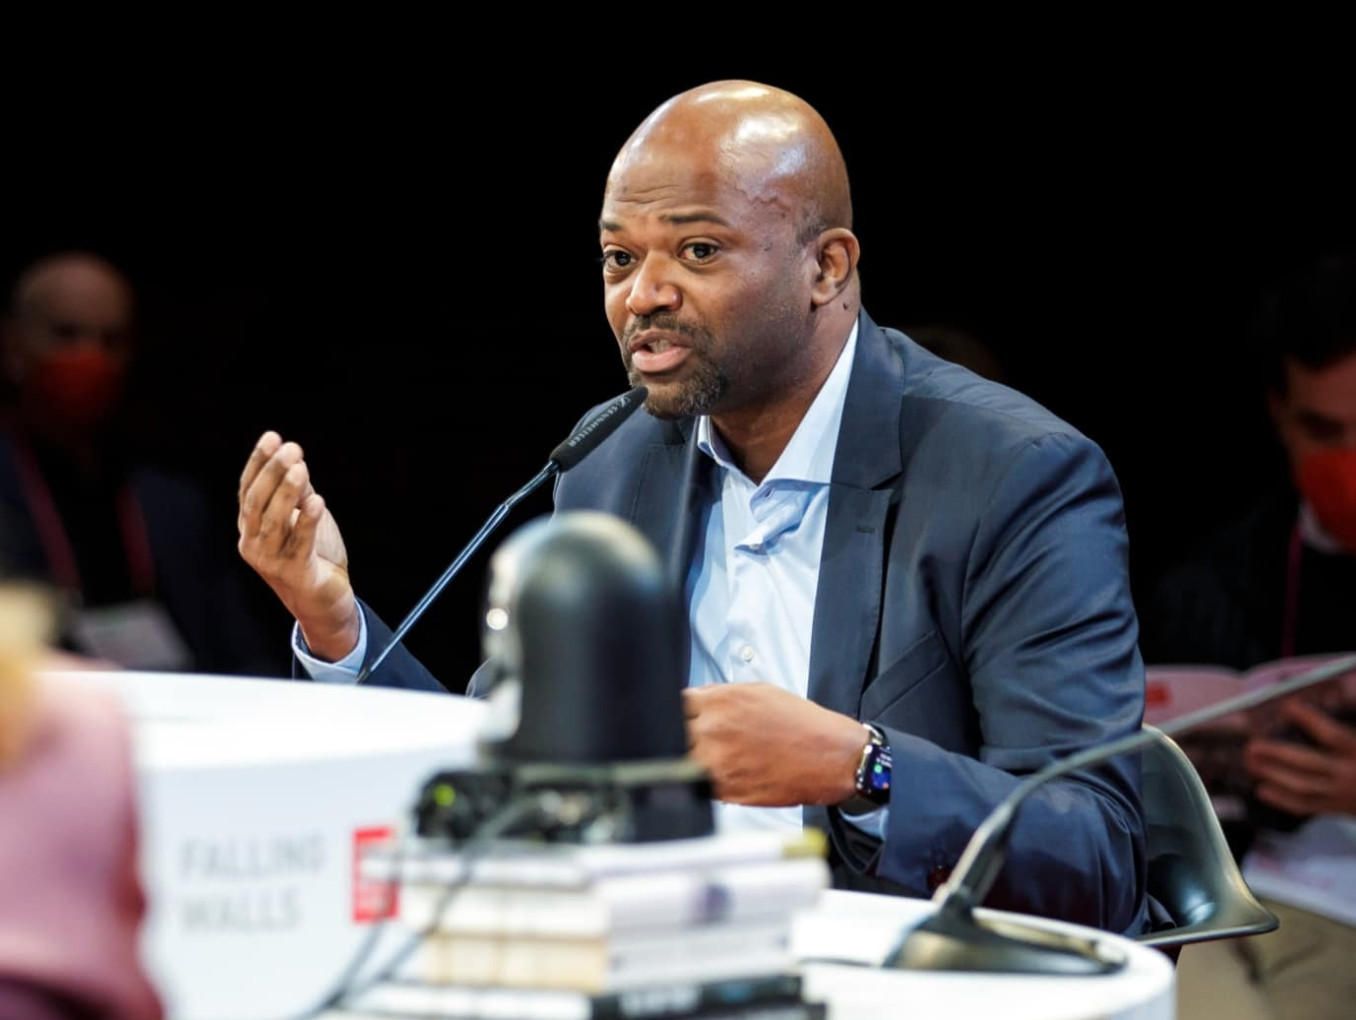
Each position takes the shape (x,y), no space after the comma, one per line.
(399,269)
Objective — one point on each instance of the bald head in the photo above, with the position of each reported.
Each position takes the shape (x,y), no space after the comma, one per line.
(729,262)
(767,142)
(72,281)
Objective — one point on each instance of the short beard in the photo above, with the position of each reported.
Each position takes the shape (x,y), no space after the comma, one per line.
(702,391)
(706,384)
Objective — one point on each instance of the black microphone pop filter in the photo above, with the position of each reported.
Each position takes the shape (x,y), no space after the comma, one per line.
(586,438)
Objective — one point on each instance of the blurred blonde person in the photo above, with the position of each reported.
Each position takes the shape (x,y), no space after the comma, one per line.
(71,898)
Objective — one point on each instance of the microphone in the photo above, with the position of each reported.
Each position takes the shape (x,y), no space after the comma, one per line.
(953,939)
(583,441)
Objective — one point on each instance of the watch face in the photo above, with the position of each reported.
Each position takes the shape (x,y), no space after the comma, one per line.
(878,776)
(873,778)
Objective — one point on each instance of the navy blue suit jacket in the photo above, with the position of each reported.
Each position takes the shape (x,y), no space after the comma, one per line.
(973,601)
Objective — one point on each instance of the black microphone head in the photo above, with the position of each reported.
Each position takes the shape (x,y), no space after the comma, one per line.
(587,437)
(590,640)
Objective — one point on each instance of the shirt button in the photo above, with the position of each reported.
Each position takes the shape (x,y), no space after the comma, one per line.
(746,653)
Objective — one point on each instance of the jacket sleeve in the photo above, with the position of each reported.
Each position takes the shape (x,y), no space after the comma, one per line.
(1049,642)
(400,668)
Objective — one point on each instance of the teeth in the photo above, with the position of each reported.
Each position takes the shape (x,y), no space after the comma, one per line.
(659,346)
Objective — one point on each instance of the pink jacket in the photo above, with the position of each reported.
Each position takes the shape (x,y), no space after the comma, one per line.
(71,897)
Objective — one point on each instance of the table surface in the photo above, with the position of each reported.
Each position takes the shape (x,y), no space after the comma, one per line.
(862,928)
(866,927)
(240,725)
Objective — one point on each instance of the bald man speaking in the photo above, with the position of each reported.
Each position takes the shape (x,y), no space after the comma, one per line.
(907,584)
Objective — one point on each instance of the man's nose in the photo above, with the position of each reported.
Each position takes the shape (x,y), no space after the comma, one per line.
(652,287)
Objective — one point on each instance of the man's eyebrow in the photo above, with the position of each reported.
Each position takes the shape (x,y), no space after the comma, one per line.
(675,219)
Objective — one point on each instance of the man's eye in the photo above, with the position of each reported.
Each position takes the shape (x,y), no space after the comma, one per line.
(1320,428)
(616,259)
(1324,433)
(699,251)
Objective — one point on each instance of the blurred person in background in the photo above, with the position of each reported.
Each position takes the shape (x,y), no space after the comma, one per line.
(72,903)
(142,561)
(1276,582)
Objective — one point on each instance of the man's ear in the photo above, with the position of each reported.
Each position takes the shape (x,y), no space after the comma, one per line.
(836,253)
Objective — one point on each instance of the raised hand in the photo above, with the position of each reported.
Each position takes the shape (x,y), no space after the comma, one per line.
(290,538)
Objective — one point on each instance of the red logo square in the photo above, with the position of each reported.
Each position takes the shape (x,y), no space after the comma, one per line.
(373,899)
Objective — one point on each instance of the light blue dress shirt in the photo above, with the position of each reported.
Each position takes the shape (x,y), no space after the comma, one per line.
(751,589)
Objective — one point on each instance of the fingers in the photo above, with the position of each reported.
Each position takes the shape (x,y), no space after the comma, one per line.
(1278,797)
(1291,776)
(265,448)
(1300,793)
(307,519)
(693,698)
(1304,779)
(1267,756)
(275,486)
(1325,730)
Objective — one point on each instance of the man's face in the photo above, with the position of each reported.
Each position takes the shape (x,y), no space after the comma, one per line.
(1317,411)
(67,347)
(706,286)
(72,307)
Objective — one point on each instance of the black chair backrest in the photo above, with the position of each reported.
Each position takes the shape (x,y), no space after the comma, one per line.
(1192,871)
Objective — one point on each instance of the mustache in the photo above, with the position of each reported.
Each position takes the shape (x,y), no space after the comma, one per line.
(663,321)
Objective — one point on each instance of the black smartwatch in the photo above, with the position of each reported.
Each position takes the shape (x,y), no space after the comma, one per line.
(873,771)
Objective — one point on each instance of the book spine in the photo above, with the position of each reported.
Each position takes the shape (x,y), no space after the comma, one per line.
(517,862)
(708,953)
(656,1002)
(668,899)
(795,1010)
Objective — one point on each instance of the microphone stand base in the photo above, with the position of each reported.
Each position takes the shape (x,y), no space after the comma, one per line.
(953,939)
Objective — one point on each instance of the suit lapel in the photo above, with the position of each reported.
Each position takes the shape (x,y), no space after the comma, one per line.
(667,509)
(665,506)
(851,569)
(671,487)
(847,600)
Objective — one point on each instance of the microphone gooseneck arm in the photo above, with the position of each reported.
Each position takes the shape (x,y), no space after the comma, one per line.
(566,455)
(485,529)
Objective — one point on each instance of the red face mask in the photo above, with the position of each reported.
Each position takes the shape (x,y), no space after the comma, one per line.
(1327,479)
(78,388)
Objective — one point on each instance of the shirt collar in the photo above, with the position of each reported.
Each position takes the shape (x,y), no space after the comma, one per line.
(808,456)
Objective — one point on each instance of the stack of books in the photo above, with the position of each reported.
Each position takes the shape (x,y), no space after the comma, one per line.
(680,928)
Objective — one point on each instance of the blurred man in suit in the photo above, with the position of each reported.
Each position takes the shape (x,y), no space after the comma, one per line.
(141,559)
(1279,581)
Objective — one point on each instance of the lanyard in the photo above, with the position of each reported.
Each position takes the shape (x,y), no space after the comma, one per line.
(1290,619)
(56,543)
